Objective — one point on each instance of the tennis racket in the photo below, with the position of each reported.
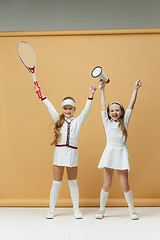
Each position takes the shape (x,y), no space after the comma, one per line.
(28,58)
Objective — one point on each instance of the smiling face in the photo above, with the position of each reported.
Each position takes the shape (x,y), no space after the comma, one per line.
(68,111)
(115,111)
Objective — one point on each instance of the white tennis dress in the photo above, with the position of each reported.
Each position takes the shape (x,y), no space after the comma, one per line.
(66,153)
(115,155)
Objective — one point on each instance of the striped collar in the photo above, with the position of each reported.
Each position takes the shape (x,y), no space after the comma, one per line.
(68,120)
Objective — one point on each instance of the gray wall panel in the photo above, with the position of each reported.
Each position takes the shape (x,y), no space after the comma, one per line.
(31,15)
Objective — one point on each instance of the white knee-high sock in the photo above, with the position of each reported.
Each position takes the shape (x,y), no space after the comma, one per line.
(54,192)
(74,192)
(103,199)
(129,198)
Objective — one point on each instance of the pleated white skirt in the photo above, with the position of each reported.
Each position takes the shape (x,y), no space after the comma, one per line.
(65,156)
(115,157)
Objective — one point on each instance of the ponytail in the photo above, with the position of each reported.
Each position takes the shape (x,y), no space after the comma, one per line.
(122,127)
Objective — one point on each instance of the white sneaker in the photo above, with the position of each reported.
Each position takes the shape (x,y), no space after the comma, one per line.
(100,214)
(77,213)
(134,215)
(50,214)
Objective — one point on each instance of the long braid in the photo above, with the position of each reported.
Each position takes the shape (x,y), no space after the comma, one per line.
(57,128)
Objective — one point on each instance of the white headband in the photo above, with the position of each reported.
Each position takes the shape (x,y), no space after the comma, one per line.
(116,103)
(68,102)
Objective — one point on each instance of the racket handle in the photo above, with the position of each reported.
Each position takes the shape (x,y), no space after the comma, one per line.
(39,92)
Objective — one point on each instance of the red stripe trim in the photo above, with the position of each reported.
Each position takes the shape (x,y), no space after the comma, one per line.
(68,131)
(61,145)
(68,135)
(90,98)
(72,147)
(43,98)
(66,146)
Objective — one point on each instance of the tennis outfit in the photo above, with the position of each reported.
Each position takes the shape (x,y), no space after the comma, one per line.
(115,155)
(66,153)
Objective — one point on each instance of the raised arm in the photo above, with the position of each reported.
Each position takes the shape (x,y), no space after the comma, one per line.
(92,90)
(102,89)
(138,84)
(82,117)
(50,107)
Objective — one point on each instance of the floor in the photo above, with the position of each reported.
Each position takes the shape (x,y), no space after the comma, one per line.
(30,224)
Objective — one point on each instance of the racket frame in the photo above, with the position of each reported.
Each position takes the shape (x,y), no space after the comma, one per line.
(31,70)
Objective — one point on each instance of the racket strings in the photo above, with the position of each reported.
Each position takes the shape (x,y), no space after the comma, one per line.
(26,54)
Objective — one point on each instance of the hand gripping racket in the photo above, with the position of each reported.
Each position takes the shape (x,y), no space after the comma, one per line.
(28,58)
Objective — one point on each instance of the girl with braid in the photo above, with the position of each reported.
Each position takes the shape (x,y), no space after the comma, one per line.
(66,132)
(115,155)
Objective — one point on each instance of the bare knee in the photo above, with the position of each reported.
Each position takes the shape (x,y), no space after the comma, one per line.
(58,172)
(72,173)
(107,186)
(107,181)
(125,187)
(123,177)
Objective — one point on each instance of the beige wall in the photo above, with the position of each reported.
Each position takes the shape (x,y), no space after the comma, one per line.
(64,63)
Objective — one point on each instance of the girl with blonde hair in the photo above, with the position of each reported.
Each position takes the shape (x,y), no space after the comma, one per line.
(115,155)
(66,133)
